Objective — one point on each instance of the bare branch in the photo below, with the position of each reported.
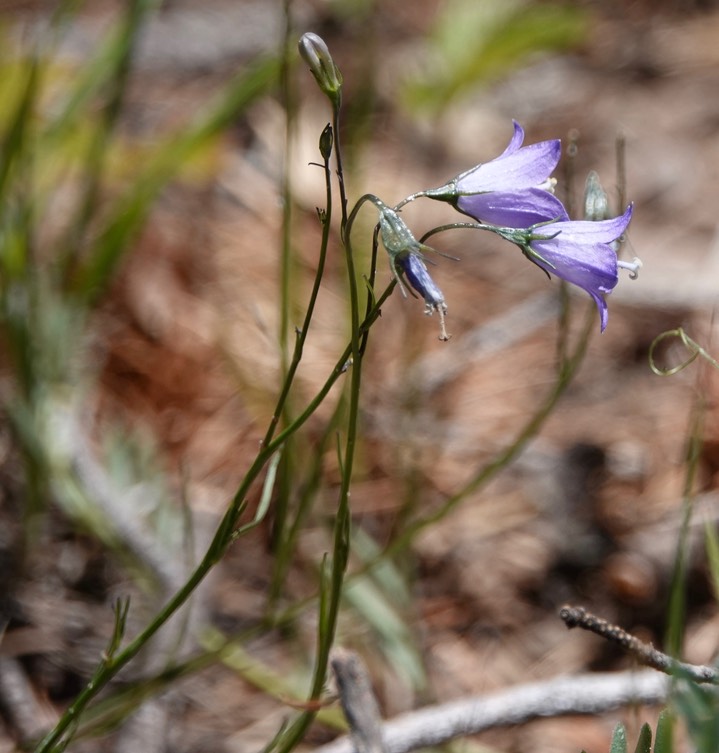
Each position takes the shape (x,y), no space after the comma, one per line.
(27,713)
(644,653)
(585,694)
(358,702)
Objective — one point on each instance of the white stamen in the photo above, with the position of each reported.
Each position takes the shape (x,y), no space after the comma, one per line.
(441,309)
(633,266)
(548,185)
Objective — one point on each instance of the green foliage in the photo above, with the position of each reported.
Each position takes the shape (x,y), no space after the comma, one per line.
(478,41)
(619,740)
(662,742)
(644,741)
(711,544)
(698,707)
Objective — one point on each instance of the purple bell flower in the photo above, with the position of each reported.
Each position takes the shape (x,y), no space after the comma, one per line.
(513,190)
(580,252)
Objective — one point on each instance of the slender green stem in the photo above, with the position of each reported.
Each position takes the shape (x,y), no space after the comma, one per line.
(310,484)
(341,366)
(406,201)
(338,157)
(223,537)
(288,101)
(331,597)
(287,466)
(566,371)
(284,550)
(109,668)
(677,591)
(302,333)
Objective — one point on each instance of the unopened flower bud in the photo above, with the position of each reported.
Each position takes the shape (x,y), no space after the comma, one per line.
(596,204)
(316,54)
(326,142)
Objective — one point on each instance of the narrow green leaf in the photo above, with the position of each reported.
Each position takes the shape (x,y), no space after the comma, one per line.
(711,543)
(393,635)
(102,71)
(131,211)
(663,740)
(698,708)
(644,743)
(13,141)
(619,740)
(266,497)
(116,69)
(479,41)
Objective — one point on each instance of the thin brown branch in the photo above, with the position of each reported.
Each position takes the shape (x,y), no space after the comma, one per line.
(644,653)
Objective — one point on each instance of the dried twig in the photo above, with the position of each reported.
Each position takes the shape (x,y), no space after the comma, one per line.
(28,714)
(585,694)
(645,653)
(358,702)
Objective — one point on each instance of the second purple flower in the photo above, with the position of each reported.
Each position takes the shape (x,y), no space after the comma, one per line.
(580,252)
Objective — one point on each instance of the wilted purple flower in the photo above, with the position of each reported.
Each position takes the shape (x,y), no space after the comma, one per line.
(578,252)
(513,190)
(415,271)
(405,253)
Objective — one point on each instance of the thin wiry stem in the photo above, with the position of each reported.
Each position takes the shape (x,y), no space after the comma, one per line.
(223,537)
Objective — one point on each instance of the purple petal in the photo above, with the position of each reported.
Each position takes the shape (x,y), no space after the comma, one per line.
(516,209)
(604,231)
(580,254)
(418,277)
(590,266)
(529,166)
(515,142)
(597,276)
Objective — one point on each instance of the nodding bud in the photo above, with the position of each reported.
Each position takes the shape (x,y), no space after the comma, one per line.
(316,54)
(326,142)
(596,204)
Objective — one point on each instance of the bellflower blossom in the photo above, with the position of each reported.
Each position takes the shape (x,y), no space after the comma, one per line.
(578,251)
(406,260)
(513,190)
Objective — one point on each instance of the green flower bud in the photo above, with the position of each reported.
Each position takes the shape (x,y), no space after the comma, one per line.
(326,142)
(596,204)
(316,54)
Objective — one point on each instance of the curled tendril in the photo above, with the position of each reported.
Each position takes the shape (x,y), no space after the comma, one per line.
(694,348)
